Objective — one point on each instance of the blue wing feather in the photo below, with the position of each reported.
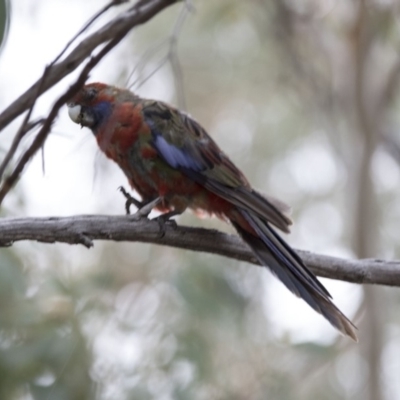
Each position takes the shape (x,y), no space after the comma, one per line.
(174,156)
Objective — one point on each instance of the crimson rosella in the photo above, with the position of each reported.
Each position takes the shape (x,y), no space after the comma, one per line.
(166,154)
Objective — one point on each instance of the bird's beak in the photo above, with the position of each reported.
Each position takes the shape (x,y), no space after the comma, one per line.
(81,115)
(74,112)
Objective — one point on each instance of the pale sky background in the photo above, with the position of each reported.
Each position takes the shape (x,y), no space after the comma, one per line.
(70,185)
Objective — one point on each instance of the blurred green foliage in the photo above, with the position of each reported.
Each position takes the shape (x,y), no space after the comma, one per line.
(40,340)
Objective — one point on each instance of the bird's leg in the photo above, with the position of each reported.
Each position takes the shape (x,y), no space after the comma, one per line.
(146,209)
(130,200)
(143,209)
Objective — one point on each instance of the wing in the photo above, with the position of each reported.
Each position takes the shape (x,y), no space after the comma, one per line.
(185,145)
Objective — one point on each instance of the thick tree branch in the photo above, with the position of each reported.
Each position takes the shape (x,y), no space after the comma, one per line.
(84,229)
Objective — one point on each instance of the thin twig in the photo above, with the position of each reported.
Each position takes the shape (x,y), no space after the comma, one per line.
(92,20)
(142,14)
(170,56)
(146,55)
(43,133)
(23,130)
(174,58)
(138,14)
(155,70)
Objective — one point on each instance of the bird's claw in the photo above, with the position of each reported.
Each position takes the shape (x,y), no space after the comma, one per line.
(130,200)
(144,209)
(164,219)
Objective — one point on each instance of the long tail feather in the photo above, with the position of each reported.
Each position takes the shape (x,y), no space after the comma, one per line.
(272,252)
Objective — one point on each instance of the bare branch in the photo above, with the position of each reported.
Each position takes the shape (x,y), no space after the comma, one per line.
(84,229)
(113,3)
(26,126)
(23,130)
(138,14)
(45,130)
(142,12)
(171,56)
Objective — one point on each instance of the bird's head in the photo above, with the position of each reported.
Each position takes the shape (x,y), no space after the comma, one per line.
(92,105)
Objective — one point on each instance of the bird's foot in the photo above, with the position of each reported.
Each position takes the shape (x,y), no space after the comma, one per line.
(130,200)
(143,209)
(164,219)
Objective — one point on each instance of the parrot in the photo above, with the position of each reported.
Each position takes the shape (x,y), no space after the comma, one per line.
(166,154)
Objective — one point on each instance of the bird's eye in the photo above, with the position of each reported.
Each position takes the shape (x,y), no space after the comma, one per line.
(90,94)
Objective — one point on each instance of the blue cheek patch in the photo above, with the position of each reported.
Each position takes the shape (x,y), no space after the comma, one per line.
(101,111)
